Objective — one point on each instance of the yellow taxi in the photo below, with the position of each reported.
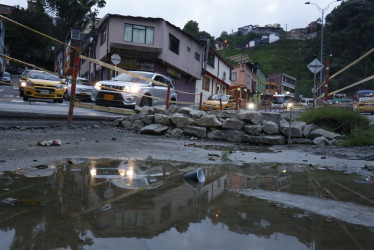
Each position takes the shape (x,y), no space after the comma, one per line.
(214,103)
(42,85)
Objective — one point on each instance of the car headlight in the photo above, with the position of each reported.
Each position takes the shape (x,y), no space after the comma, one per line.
(132,89)
(251,105)
(28,83)
(97,86)
(289,105)
(93,171)
(59,86)
(23,84)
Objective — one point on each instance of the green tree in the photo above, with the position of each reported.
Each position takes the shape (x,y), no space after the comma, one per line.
(192,28)
(26,45)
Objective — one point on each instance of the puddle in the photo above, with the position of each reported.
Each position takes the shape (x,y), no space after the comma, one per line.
(236,147)
(111,204)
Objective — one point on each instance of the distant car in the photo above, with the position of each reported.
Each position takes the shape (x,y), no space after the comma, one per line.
(22,82)
(42,85)
(5,77)
(214,103)
(83,89)
(281,101)
(306,102)
(127,91)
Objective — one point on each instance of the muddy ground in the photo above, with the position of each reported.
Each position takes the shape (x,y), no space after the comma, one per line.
(18,148)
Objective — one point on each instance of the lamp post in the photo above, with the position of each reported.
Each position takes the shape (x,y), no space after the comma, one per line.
(323,15)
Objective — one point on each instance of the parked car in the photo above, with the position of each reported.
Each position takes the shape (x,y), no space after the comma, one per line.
(44,85)
(5,77)
(83,89)
(127,91)
(22,82)
(214,103)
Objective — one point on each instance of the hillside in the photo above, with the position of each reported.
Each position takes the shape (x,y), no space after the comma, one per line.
(283,56)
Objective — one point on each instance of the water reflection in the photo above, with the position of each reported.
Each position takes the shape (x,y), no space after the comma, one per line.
(148,205)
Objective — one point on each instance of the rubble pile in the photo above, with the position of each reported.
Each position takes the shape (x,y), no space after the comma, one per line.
(252,127)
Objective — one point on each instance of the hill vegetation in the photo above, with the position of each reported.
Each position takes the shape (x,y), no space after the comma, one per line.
(348,35)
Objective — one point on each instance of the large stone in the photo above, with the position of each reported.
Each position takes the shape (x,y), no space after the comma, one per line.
(232,123)
(154,129)
(127,124)
(224,113)
(172,109)
(216,134)
(160,109)
(321,141)
(253,129)
(253,117)
(177,133)
(162,119)
(148,119)
(266,139)
(233,135)
(208,121)
(321,132)
(195,114)
(146,110)
(185,110)
(137,125)
(270,127)
(199,132)
(296,129)
(180,120)
(307,129)
(269,116)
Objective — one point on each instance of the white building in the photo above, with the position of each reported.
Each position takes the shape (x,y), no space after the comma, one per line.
(216,79)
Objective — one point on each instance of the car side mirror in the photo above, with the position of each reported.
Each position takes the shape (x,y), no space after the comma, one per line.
(23,77)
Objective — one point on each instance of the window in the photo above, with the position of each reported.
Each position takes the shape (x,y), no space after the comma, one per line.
(206,83)
(138,34)
(211,59)
(173,44)
(188,49)
(103,36)
(248,79)
(197,56)
(234,76)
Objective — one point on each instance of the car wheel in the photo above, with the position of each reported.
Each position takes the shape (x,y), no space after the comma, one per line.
(146,101)
(25,98)
(21,93)
(61,100)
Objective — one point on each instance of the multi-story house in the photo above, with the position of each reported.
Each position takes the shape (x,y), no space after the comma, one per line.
(244,80)
(149,44)
(216,77)
(286,83)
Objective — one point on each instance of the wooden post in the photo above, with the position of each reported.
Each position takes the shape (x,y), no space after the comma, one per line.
(201,100)
(220,103)
(167,97)
(327,78)
(73,86)
(236,103)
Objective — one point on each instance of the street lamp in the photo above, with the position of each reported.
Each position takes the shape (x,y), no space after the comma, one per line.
(323,14)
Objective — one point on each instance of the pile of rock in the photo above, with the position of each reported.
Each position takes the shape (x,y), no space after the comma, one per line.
(230,125)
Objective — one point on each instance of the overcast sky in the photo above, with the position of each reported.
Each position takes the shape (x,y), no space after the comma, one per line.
(215,16)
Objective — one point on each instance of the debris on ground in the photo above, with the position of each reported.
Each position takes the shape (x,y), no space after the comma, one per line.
(56,142)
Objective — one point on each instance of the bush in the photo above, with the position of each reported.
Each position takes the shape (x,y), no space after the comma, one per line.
(336,119)
(356,127)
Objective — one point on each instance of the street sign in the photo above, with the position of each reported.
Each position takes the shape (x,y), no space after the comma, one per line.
(315,66)
(116,59)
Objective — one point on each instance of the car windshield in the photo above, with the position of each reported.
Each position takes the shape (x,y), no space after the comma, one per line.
(222,97)
(278,100)
(127,78)
(43,76)
(81,82)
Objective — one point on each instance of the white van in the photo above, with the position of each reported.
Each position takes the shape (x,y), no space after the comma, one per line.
(306,102)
